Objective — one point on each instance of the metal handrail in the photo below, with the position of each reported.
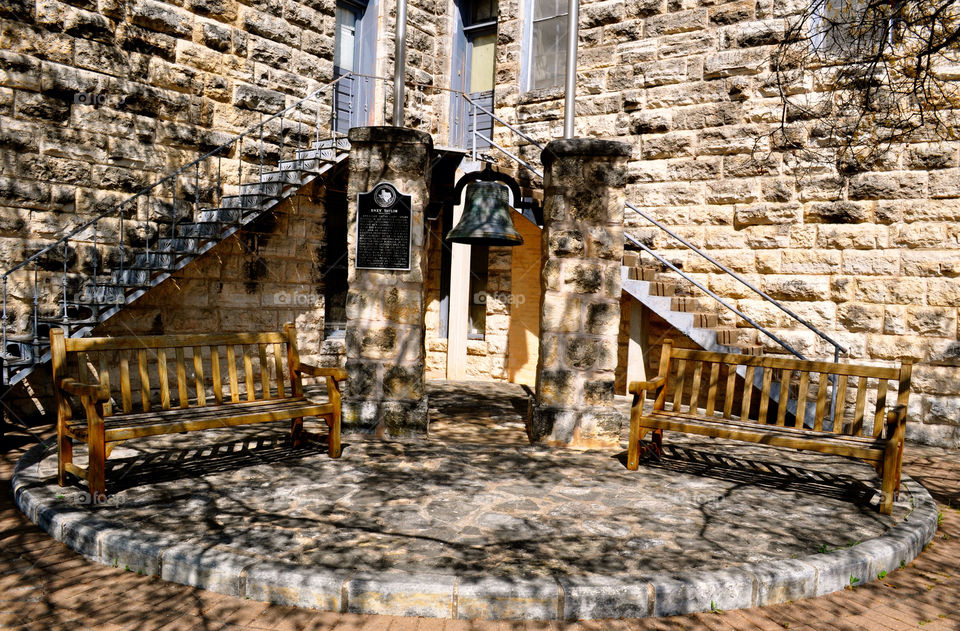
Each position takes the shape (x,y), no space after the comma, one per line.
(113,210)
(837,346)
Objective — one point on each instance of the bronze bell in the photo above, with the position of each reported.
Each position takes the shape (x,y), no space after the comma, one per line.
(487,217)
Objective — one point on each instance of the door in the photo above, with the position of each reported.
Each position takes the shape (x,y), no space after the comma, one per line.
(474,70)
(354,53)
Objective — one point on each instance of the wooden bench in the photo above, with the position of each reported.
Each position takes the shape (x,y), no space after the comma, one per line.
(703,393)
(263,383)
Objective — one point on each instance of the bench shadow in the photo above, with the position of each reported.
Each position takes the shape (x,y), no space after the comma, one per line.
(170,465)
(760,473)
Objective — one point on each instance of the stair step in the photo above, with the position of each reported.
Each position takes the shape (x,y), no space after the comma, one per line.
(327,154)
(339,142)
(294,177)
(262,189)
(202,230)
(154,260)
(705,320)
(101,295)
(137,277)
(631,259)
(751,349)
(249,202)
(688,304)
(649,274)
(662,288)
(311,166)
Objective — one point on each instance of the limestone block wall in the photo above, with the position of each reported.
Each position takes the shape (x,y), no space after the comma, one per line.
(99,98)
(870,259)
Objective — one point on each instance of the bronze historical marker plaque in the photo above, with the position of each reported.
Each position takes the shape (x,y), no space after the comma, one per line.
(383,228)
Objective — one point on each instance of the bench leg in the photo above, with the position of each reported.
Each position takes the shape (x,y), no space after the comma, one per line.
(97,469)
(333,437)
(296,431)
(891,483)
(633,448)
(64,456)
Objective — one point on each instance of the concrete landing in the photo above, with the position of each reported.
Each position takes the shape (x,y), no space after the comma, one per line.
(475,523)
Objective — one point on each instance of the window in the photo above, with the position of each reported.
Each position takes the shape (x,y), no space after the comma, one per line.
(546,50)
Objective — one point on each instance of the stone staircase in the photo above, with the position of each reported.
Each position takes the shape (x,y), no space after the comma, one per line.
(122,274)
(696,318)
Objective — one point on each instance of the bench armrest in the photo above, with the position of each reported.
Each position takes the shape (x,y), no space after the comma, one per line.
(897,415)
(339,374)
(95,391)
(636,387)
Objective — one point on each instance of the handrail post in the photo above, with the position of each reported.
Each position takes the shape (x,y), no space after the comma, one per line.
(570,100)
(400,62)
(473,136)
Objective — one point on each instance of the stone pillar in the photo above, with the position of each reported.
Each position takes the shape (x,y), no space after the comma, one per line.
(384,393)
(582,245)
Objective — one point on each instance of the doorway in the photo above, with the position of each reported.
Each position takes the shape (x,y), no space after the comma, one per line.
(474,70)
(355,51)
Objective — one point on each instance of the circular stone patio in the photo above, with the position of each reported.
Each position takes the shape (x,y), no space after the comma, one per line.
(476,523)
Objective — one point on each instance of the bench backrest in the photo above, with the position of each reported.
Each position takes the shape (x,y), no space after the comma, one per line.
(701,382)
(151,372)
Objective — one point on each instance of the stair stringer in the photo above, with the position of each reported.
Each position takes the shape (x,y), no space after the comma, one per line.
(704,338)
(328,158)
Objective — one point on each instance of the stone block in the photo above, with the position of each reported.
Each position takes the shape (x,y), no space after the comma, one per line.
(767,214)
(796,288)
(405,418)
(592,597)
(159,16)
(695,591)
(561,312)
(836,569)
(402,594)
(838,213)
(728,63)
(190,564)
(256,98)
(782,581)
(295,586)
(505,599)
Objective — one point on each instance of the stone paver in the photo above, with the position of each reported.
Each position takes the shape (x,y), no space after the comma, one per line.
(45,591)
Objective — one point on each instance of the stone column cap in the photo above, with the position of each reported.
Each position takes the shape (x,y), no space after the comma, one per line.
(584,147)
(389,135)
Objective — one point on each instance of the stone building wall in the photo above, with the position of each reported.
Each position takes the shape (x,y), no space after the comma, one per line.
(872,260)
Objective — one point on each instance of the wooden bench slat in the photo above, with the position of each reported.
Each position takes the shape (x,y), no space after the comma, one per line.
(215,373)
(821,401)
(765,395)
(125,396)
(232,372)
(74,344)
(187,423)
(678,392)
(881,412)
(802,398)
(712,389)
(105,381)
(164,378)
(278,366)
(747,393)
(264,372)
(248,374)
(857,428)
(182,393)
(784,397)
(751,432)
(731,388)
(841,404)
(198,377)
(695,387)
(144,379)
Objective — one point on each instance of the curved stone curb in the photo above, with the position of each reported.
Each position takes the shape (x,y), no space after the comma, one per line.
(471,597)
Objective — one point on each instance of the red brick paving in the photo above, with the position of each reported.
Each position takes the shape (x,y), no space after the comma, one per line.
(45,586)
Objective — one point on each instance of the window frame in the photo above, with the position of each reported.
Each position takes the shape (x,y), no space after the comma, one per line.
(526,50)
